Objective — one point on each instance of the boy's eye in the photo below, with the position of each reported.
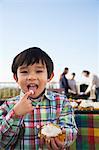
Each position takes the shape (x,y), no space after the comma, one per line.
(39,71)
(23,72)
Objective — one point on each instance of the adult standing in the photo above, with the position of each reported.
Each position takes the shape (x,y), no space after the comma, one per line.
(73,91)
(93,83)
(63,81)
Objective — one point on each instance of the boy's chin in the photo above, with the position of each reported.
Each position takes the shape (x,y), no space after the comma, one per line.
(34,96)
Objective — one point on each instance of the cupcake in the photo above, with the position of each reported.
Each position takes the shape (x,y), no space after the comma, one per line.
(51,130)
(96,105)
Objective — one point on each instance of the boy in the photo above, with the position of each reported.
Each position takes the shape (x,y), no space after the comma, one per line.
(22,117)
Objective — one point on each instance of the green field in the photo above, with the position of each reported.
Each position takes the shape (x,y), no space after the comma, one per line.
(8,92)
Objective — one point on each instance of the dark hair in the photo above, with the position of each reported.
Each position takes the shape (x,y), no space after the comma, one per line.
(86,71)
(30,56)
(66,68)
(73,74)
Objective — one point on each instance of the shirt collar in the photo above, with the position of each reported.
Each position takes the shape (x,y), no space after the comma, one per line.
(49,95)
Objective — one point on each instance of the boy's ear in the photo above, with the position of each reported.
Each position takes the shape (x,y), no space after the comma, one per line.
(15,77)
(52,75)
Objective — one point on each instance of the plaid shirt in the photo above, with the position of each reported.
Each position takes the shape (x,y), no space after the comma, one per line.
(22,132)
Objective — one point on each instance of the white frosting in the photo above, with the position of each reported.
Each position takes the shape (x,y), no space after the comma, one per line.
(50,130)
(32,92)
(96,105)
(86,103)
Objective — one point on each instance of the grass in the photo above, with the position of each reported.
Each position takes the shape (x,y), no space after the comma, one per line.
(8,93)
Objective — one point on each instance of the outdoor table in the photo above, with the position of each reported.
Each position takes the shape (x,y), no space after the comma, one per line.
(88,130)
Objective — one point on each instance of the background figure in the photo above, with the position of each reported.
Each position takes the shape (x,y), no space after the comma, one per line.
(63,81)
(93,83)
(72,86)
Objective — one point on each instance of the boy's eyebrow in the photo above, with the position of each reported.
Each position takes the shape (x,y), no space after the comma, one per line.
(40,66)
(37,66)
(22,67)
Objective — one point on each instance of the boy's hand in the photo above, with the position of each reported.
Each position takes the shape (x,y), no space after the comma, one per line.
(55,144)
(24,105)
(52,143)
(41,143)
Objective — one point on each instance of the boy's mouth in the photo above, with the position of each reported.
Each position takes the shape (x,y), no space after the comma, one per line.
(32,87)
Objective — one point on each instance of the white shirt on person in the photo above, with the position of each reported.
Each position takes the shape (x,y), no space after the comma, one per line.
(93,82)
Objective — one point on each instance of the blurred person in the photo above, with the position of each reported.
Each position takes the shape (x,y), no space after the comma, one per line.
(63,81)
(93,83)
(72,85)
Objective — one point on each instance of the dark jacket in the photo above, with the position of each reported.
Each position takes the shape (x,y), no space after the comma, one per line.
(64,83)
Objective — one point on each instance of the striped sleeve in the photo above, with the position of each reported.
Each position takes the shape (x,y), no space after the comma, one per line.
(9,125)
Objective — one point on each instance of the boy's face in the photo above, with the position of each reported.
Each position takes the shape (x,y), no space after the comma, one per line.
(33,77)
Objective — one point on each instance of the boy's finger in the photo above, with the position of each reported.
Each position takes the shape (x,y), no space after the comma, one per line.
(63,130)
(26,95)
(53,144)
(58,142)
(41,142)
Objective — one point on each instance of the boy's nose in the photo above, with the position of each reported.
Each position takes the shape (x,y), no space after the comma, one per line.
(32,76)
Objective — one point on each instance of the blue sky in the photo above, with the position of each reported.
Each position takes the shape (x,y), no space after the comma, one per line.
(68,30)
